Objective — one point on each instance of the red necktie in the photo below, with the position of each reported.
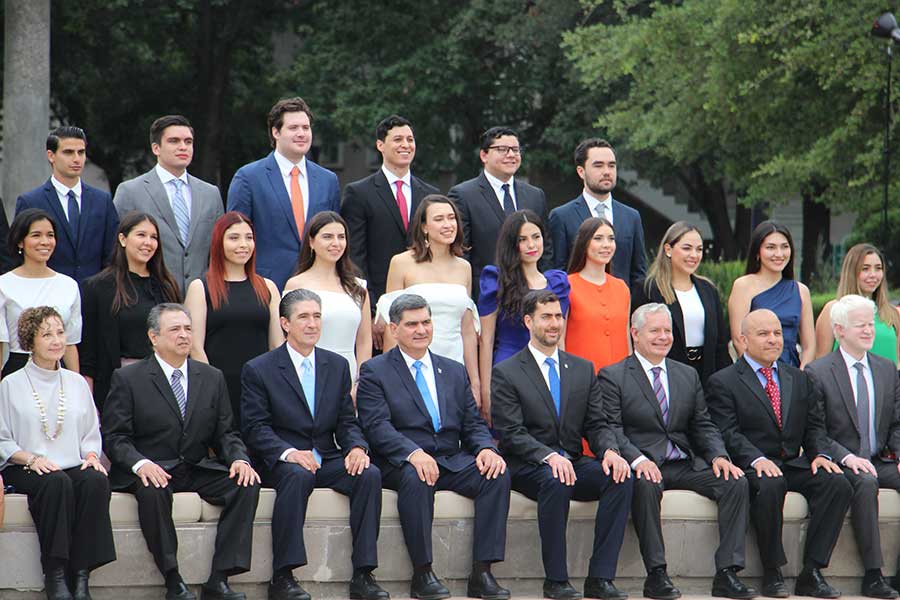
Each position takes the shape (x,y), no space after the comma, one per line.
(401,204)
(773,392)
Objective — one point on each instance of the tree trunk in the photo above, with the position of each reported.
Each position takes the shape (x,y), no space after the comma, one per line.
(816,234)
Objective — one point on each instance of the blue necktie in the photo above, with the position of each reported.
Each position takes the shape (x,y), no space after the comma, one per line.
(426,396)
(178,390)
(308,382)
(553,377)
(179,207)
(73,216)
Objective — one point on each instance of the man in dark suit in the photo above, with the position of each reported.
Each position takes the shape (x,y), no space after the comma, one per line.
(485,201)
(378,209)
(161,418)
(544,401)
(283,191)
(769,411)
(295,405)
(861,395)
(595,163)
(657,409)
(86,220)
(426,435)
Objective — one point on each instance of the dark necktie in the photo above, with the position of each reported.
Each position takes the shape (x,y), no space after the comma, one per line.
(672,453)
(509,206)
(73,214)
(862,412)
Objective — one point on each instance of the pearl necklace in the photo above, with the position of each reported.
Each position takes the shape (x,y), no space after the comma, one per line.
(42,410)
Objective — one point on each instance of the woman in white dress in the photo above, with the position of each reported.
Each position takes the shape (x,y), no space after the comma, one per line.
(326,269)
(433,268)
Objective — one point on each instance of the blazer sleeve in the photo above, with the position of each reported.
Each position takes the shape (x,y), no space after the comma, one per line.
(118,424)
(815,440)
(547,259)
(475,435)
(124,199)
(638,257)
(88,349)
(334,193)
(612,394)
(723,333)
(639,296)
(349,434)
(353,211)
(722,406)
(375,417)
(558,239)
(836,450)
(465,219)
(894,432)
(227,442)
(506,410)
(109,231)
(256,418)
(705,436)
(240,196)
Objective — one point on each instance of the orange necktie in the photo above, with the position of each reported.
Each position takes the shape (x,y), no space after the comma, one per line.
(297,201)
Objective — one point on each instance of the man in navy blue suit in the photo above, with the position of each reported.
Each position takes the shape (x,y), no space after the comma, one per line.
(86,220)
(283,191)
(295,403)
(595,163)
(426,435)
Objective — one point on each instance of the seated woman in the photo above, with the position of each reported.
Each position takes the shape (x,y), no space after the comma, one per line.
(50,451)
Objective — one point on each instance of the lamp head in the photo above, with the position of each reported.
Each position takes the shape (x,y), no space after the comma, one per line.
(886,27)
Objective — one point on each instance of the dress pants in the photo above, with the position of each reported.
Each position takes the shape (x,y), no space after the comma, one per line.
(828,495)
(537,482)
(733,503)
(415,503)
(864,509)
(234,534)
(293,485)
(70,510)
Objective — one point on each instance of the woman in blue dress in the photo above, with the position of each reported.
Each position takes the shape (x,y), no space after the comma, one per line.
(769,283)
(520,245)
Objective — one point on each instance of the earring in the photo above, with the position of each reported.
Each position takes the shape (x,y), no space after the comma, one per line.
(427,243)
(668,256)
(20,249)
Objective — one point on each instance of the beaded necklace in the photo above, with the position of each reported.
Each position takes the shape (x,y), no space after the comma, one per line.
(42,410)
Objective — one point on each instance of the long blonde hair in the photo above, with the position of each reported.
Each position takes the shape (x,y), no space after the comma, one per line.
(660,271)
(849,283)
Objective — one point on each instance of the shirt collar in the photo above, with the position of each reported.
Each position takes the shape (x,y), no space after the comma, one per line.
(298,358)
(593,201)
(63,190)
(286,166)
(169,369)
(647,365)
(540,357)
(166,177)
(852,361)
(497,184)
(409,360)
(756,366)
(393,179)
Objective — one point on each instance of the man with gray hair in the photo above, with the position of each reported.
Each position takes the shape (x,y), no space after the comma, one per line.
(861,396)
(426,435)
(162,416)
(656,407)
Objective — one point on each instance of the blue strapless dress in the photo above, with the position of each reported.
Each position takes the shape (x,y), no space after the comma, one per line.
(784,300)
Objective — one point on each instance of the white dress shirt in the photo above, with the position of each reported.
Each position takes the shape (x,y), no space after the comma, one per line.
(62,193)
(167,178)
(407,188)
(285,167)
(497,185)
(594,203)
(167,370)
(870,384)
(297,360)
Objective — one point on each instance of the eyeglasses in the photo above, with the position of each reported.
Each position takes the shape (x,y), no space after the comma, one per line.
(504,150)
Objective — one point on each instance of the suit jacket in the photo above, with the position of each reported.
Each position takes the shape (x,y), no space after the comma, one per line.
(832,379)
(257,190)
(738,404)
(396,421)
(482,215)
(275,414)
(629,263)
(525,416)
(141,420)
(146,193)
(376,227)
(716,334)
(78,254)
(633,411)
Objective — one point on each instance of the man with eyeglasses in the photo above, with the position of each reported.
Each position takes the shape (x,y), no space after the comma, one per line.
(485,201)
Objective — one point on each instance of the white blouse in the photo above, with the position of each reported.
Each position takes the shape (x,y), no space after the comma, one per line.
(18,293)
(20,419)
(694,316)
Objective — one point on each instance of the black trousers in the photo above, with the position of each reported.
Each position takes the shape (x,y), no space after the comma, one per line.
(828,495)
(415,503)
(733,503)
(864,509)
(235,531)
(70,510)
(293,485)
(537,482)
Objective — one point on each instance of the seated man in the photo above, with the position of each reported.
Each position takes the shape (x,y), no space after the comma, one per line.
(544,401)
(162,416)
(657,410)
(769,411)
(425,434)
(295,404)
(861,395)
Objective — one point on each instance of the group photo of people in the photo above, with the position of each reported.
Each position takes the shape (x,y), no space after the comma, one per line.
(392,336)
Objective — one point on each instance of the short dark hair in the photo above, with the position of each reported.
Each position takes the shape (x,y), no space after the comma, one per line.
(30,322)
(160,125)
(388,123)
(405,302)
(64,133)
(535,297)
(296,297)
(275,119)
(157,311)
(581,152)
(20,227)
(488,137)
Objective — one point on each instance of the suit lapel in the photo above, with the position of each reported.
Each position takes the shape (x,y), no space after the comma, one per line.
(196,207)
(159,380)
(678,319)
(418,193)
(157,193)
(842,380)
(533,372)
(321,379)
(409,383)
(640,378)
(581,209)
(440,383)
(786,387)
(563,384)
(281,194)
(884,405)
(491,198)
(195,386)
(384,192)
(749,379)
(710,331)
(58,214)
(289,373)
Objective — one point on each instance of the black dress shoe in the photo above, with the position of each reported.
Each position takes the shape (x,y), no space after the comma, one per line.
(364,587)
(811,582)
(55,585)
(659,586)
(287,588)
(179,591)
(595,587)
(426,586)
(220,590)
(876,586)
(773,584)
(80,588)
(483,585)
(727,585)
(560,590)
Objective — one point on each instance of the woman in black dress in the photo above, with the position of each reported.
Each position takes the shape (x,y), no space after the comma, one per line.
(234,311)
(116,301)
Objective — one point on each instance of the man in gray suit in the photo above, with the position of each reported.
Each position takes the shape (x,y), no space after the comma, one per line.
(656,408)
(184,207)
(861,396)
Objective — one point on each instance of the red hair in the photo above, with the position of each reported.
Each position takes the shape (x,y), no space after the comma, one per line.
(215,276)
